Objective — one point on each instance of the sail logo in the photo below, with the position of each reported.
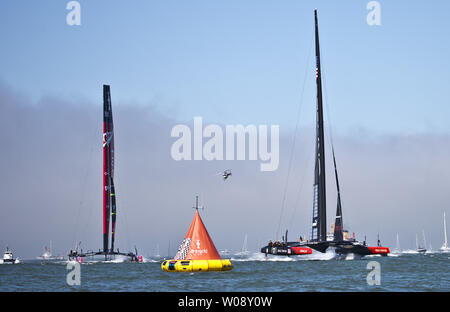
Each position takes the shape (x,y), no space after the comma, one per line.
(231,146)
(198,244)
(107,137)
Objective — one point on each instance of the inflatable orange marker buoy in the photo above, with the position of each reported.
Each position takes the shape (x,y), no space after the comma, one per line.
(197,252)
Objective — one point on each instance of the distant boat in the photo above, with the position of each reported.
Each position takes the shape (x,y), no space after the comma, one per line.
(157,252)
(8,257)
(419,248)
(47,255)
(445,247)
(108,192)
(224,252)
(197,252)
(397,249)
(244,251)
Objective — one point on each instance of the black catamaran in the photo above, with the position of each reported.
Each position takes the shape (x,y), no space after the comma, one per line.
(109,196)
(319,240)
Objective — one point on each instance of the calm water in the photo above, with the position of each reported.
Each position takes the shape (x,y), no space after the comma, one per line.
(405,272)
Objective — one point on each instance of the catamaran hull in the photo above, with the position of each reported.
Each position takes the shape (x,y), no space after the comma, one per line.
(361,250)
(196,265)
(286,250)
(102,256)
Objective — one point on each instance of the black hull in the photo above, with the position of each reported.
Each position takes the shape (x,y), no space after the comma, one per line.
(277,250)
(109,254)
(355,249)
(286,249)
(344,248)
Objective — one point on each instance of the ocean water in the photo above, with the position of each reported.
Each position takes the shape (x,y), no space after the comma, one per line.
(404,272)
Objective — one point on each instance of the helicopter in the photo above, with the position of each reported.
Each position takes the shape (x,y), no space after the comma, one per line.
(226,174)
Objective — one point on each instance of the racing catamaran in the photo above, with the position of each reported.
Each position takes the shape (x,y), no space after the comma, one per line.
(109,196)
(319,239)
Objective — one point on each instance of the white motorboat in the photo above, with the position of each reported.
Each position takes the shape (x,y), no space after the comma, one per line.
(8,257)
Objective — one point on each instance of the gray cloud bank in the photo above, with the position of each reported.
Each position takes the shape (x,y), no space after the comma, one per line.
(50,185)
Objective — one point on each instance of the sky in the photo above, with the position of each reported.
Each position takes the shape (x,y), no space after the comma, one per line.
(231,62)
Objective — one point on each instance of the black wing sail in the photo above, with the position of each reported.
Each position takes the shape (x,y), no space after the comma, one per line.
(319,221)
(339,223)
(108,155)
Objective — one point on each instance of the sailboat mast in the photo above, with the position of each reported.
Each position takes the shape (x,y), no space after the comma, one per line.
(108,162)
(319,222)
(445,233)
(424,240)
(244,245)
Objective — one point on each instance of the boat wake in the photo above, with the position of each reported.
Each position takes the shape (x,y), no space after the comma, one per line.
(410,251)
(258,256)
(394,255)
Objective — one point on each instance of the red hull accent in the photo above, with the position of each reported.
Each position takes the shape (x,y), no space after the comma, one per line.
(301,250)
(379,250)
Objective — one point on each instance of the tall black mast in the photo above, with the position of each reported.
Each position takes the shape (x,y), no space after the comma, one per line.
(319,222)
(108,154)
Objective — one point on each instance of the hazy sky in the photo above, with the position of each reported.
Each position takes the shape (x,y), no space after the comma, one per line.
(230,62)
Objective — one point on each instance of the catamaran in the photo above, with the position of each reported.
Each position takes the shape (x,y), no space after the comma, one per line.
(445,247)
(109,196)
(319,239)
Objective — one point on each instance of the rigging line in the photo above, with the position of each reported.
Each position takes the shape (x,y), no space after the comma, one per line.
(83,192)
(330,127)
(86,224)
(124,212)
(300,190)
(294,137)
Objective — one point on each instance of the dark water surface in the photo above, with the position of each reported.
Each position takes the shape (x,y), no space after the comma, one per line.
(404,272)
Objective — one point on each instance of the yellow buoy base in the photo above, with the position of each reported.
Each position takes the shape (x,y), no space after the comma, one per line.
(196,265)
